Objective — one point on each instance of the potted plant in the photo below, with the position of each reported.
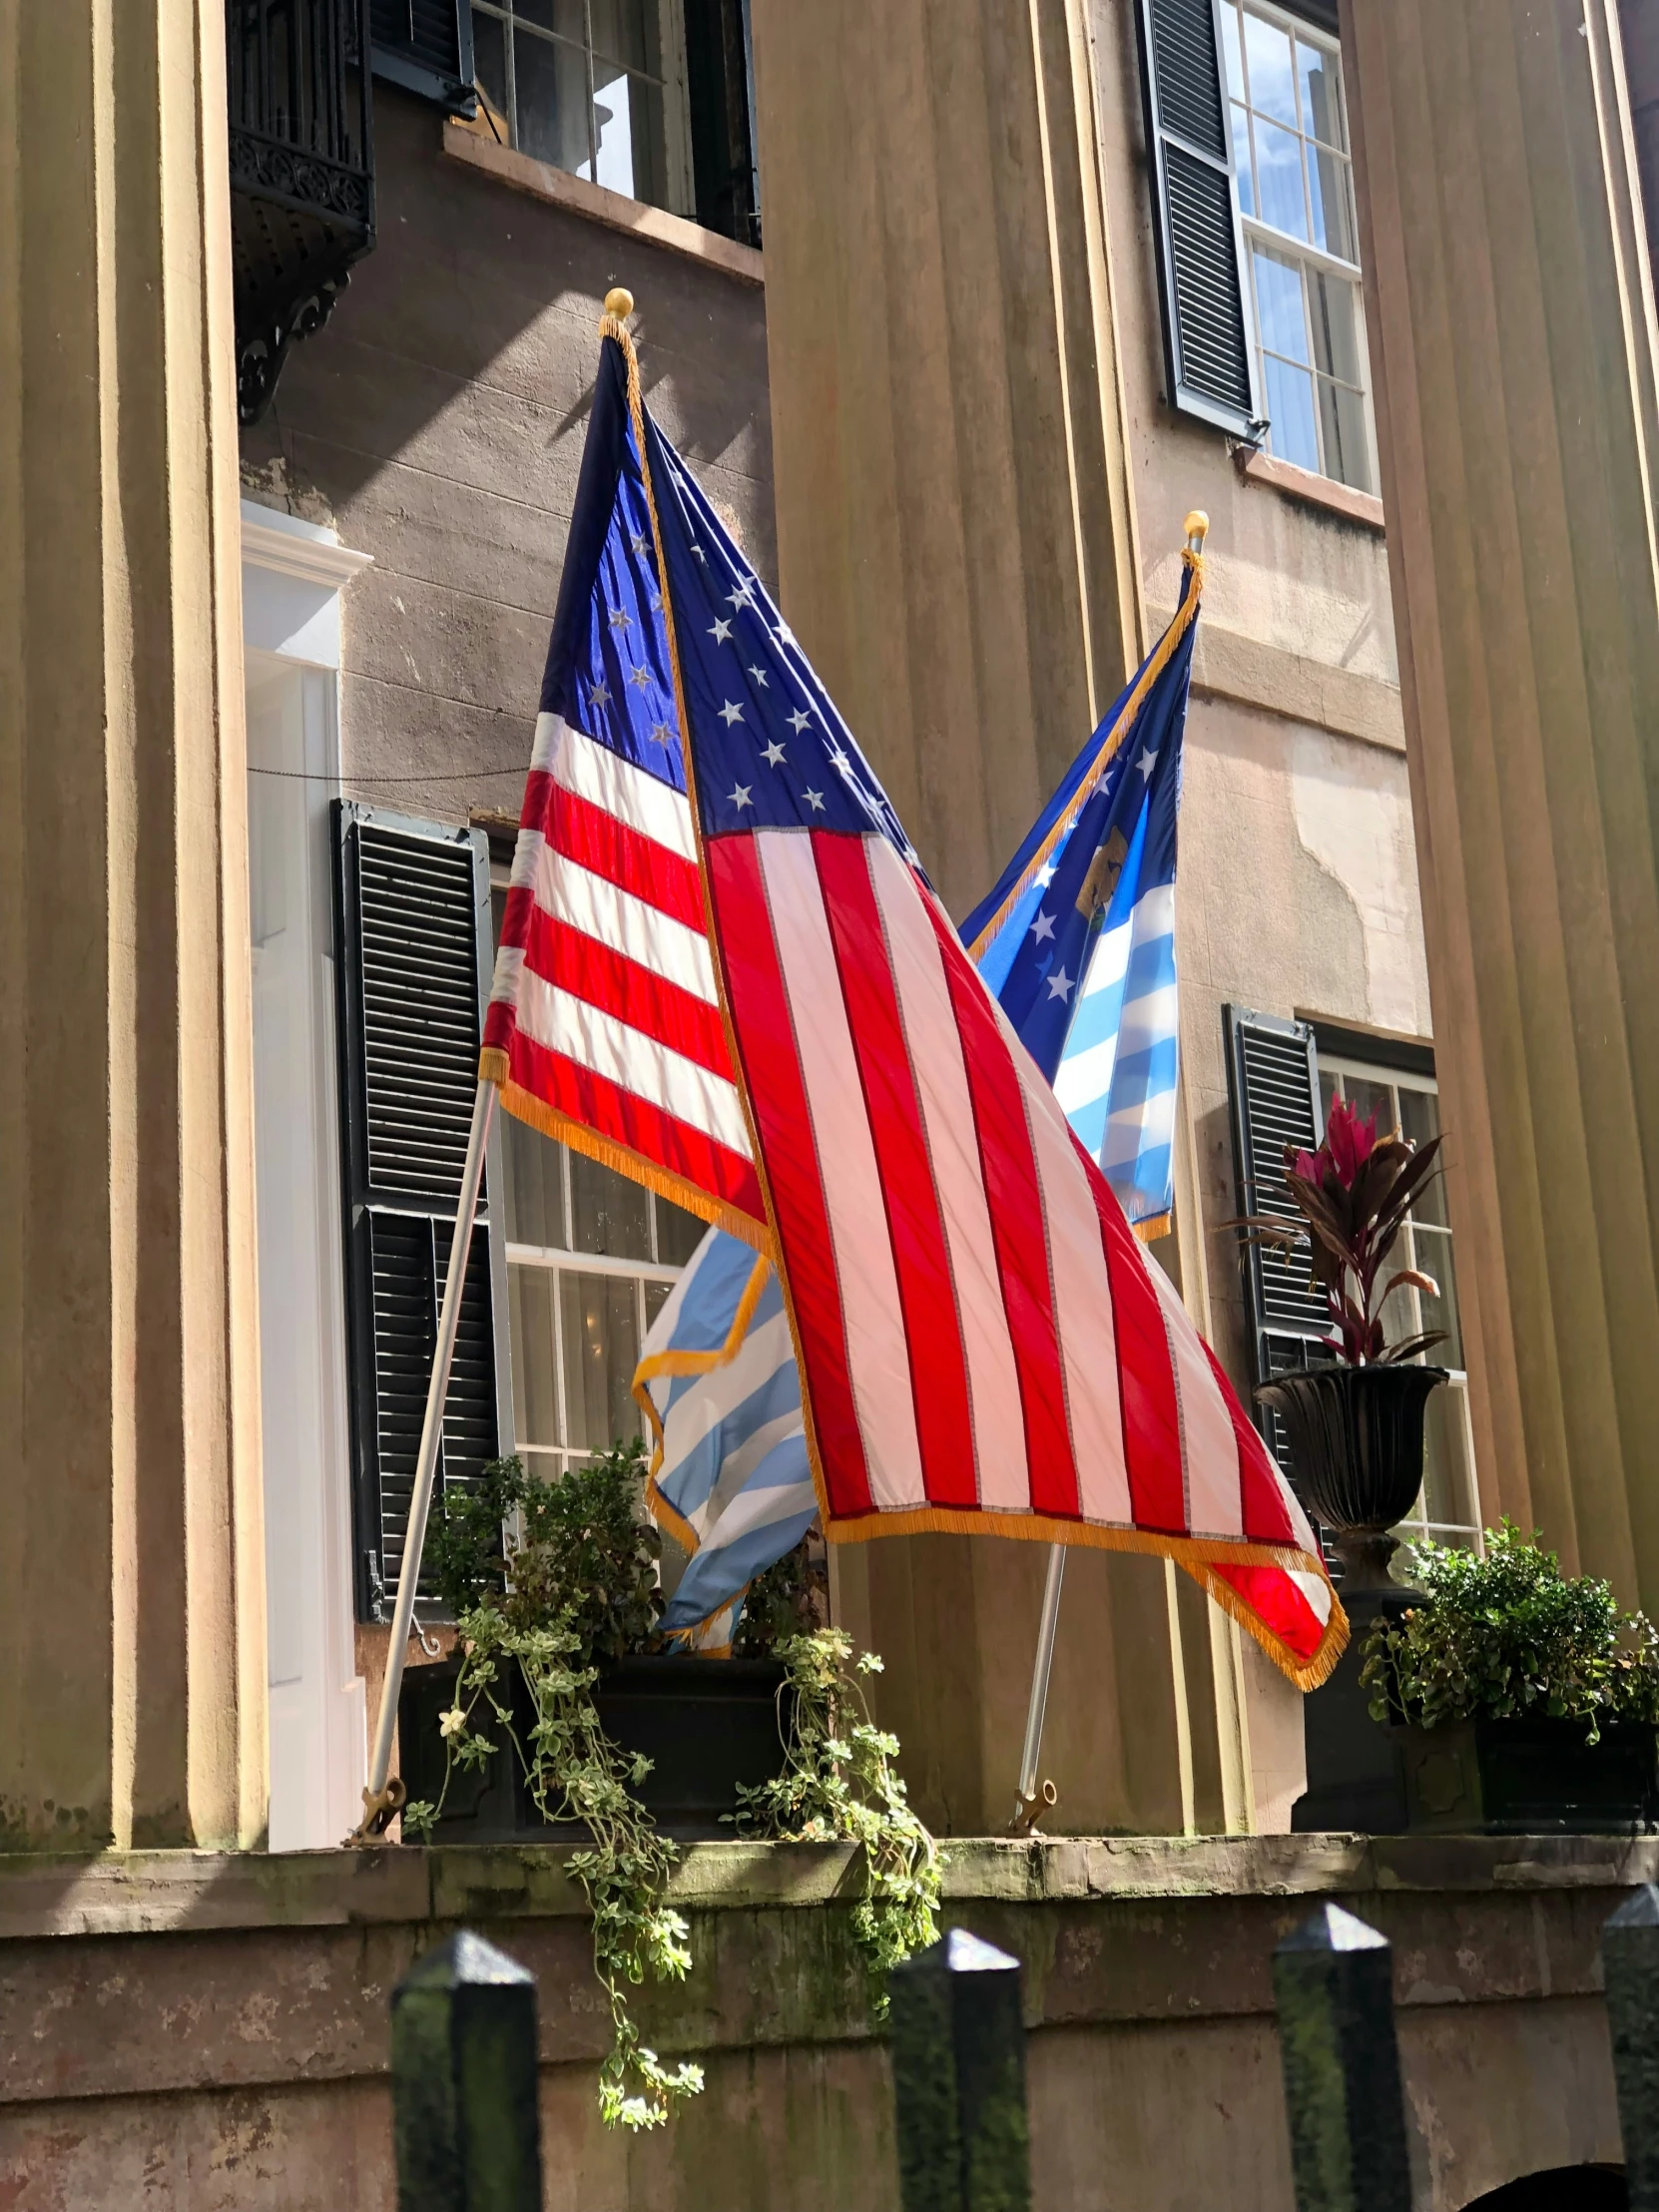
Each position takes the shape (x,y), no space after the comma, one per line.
(1524,1700)
(1356,1425)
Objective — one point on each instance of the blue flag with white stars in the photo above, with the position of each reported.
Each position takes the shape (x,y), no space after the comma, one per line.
(1077,939)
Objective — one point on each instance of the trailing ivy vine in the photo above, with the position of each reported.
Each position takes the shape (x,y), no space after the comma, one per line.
(838,1785)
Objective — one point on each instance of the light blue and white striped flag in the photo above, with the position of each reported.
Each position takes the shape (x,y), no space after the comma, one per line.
(1078,938)
(730,1478)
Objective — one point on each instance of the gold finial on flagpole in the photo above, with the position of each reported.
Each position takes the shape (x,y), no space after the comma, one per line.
(1197,525)
(620,303)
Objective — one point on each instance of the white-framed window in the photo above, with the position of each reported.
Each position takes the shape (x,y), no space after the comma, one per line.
(1447,1507)
(1301,239)
(591,1255)
(596,87)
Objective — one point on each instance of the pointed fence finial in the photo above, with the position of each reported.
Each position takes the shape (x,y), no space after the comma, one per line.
(463,2082)
(1630,1968)
(1332,1983)
(958,2042)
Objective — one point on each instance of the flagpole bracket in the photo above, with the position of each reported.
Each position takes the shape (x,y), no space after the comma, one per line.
(381,1808)
(1029,1811)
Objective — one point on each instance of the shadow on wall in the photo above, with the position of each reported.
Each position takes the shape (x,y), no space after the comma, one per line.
(1562,2189)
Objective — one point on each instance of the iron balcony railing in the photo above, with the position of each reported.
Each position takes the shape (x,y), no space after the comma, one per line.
(302,172)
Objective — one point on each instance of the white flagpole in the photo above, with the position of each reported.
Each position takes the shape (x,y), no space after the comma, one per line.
(1028,1808)
(380,1801)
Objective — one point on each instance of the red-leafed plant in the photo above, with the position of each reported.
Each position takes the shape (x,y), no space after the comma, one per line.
(1356,1192)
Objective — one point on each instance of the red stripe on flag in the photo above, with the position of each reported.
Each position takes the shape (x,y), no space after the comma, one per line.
(582,1095)
(1266,1518)
(1012,1195)
(608,979)
(1146,1373)
(761,1017)
(927,1289)
(1274,1597)
(598,841)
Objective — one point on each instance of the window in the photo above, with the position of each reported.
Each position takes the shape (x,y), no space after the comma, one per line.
(596,87)
(1301,239)
(591,1255)
(1448,1509)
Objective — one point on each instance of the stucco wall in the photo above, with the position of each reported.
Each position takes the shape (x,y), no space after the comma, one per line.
(211,2034)
(438,422)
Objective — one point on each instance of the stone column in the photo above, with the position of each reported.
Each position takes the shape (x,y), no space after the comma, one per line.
(957,551)
(131,1631)
(1513,342)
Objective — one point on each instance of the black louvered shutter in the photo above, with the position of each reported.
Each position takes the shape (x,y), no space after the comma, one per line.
(1195,213)
(426,47)
(413,935)
(1273,1092)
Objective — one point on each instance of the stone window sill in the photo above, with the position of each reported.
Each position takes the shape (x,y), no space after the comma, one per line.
(1315,491)
(476,144)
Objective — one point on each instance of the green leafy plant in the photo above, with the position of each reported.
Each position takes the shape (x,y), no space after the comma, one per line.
(788,1598)
(578,1583)
(838,1783)
(1510,1634)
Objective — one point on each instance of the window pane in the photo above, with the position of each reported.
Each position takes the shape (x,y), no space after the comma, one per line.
(620,33)
(1342,420)
(609,1213)
(600,1331)
(552,85)
(1322,95)
(678,1233)
(1448,1487)
(1419,1121)
(535,1390)
(535,1186)
(1289,398)
(1279,178)
(1231,61)
(563,16)
(1336,319)
(1272,85)
(1331,191)
(1367,1098)
(1329,1088)
(1433,1251)
(489,59)
(628,123)
(1279,310)
(656,1298)
(1241,160)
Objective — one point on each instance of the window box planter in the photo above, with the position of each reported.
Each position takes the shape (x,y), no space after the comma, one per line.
(705,1724)
(1530,1777)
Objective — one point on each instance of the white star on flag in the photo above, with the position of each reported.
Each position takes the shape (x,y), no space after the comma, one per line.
(815,800)
(639,677)
(773,753)
(731,712)
(744,596)
(1059,984)
(759,675)
(1146,763)
(1042,927)
(721,631)
(1044,876)
(784,633)
(740,797)
(798,721)
(621,619)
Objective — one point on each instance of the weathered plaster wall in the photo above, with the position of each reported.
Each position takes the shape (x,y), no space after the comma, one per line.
(438,422)
(211,2034)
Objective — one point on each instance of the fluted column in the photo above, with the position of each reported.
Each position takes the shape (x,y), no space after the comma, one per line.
(1513,340)
(132,1632)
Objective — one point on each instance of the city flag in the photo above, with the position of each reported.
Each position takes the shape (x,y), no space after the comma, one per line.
(730,1476)
(984,1345)
(1077,939)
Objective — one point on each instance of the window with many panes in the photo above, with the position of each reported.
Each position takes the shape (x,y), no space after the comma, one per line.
(1446,1508)
(1300,238)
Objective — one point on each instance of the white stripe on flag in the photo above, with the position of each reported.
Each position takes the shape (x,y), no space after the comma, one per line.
(1083,1078)
(705,1401)
(1215,1498)
(625,1055)
(594,773)
(851,1182)
(1109,961)
(948,1118)
(1147,1021)
(1135,1130)
(722,1505)
(1083,1313)
(593,905)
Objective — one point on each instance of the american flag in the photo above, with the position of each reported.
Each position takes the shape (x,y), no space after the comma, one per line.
(983,1344)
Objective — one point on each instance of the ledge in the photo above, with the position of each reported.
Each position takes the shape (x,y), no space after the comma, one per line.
(163,1891)
(1228,664)
(1312,489)
(476,144)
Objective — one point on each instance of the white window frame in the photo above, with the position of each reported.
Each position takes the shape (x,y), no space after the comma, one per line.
(1303,251)
(1415,1524)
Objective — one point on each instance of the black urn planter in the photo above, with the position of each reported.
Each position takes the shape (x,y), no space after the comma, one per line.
(705,1724)
(1530,1777)
(1355,1438)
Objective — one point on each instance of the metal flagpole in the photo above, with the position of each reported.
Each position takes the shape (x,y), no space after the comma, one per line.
(1030,1806)
(381,1799)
